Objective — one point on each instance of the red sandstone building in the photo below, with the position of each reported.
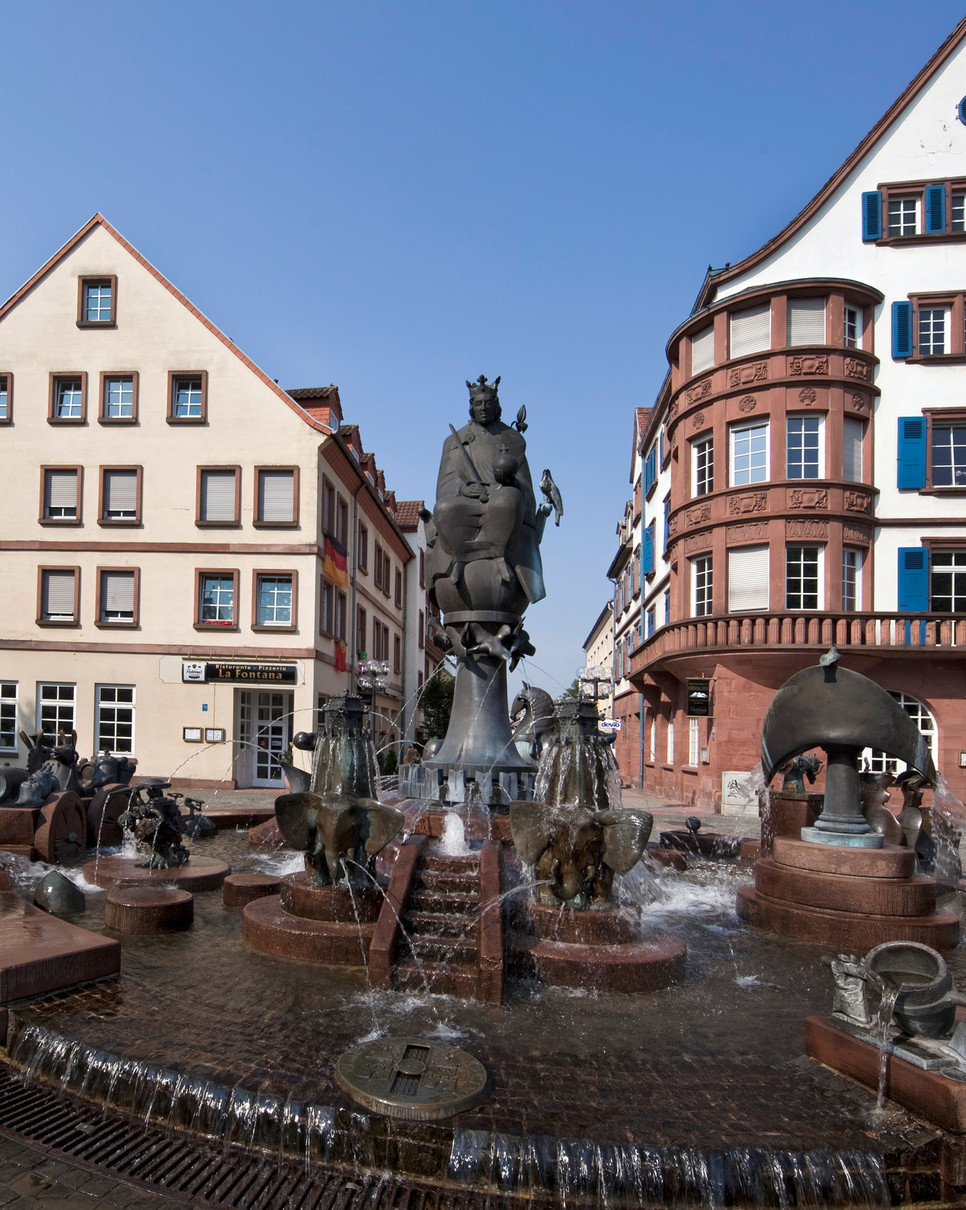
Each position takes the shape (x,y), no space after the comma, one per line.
(800,480)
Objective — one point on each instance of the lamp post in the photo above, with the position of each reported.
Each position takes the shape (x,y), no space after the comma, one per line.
(596,682)
(372,677)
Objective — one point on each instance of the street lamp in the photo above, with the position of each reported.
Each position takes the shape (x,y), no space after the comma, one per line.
(372,678)
(596,682)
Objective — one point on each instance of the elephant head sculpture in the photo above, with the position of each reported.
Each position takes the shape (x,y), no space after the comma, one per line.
(577,851)
(337,833)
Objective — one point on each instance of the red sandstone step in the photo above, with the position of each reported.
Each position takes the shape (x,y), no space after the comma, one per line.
(442,949)
(440,924)
(148,909)
(846,893)
(266,927)
(646,966)
(239,889)
(443,980)
(447,883)
(854,931)
(433,901)
(891,861)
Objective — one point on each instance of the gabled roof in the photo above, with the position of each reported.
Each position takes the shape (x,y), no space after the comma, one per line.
(100,221)
(715,278)
(407,513)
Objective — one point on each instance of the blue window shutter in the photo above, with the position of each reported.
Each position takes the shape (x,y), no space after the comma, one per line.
(902,329)
(913,579)
(650,470)
(667,520)
(935,209)
(872,215)
(647,551)
(911,472)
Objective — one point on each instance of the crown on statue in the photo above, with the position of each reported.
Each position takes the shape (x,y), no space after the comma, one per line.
(481,389)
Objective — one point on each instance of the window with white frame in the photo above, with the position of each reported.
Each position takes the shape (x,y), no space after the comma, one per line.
(652,756)
(115,719)
(853,435)
(55,708)
(701,586)
(8,716)
(118,400)
(806,321)
(852,335)
(694,741)
(702,466)
(273,600)
(4,398)
(187,400)
(96,300)
(851,578)
(68,401)
(948,454)
(751,330)
(804,447)
(902,216)
(216,598)
(803,577)
(958,212)
(947,581)
(702,350)
(933,331)
(749,454)
(669,752)
(747,579)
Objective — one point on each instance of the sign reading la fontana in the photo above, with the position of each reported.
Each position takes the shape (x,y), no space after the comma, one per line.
(198,671)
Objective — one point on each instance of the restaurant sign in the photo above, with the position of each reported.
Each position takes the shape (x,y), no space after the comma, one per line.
(198,671)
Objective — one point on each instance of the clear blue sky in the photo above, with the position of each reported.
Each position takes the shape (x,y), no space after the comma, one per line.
(396,197)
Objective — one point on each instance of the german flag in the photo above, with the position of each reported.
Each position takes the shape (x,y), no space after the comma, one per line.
(335,565)
(340,660)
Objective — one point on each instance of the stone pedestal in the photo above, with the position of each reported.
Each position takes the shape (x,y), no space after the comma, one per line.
(239,889)
(148,909)
(327,924)
(197,874)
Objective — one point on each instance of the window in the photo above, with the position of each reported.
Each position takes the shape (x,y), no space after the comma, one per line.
(932,330)
(852,335)
(932,451)
(694,741)
(650,470)
(701,585)
(68,402)
(947,581)
(421,632)
(362,552)
(803,577)
(747,579)
(958,212)
(666,532)
(853,435)
(326,607)
(361,627)
(669,740)
(702,350)
(96,298)
(8,716)
(218,495)
(948,454)
(188,397)
(117,592)
(751,330)
(902,216)
(667,607)
(120,496)
(919,211)
(276,495)
(342,523)
(55,708)
(6,398)
(851,578)
(60,495)
(651,621)
(702,466)
(396,653)
(217,593)
(422,570)
(115,720)
(804,447)
(118,397)
(398,594)
(806,321)
(929,325)
(341,614)
(749,454)
(380,640)
(274,599)
(59,596)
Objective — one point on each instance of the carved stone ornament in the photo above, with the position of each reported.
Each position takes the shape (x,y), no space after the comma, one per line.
(751,502)
(756,531)
(699,515)
(807,396)
(808,497)
(695,542)
(700,390)
(673,410)
(857,502)
(859,403)
(806,529)
(697,420)
(809,363)
(857,369)
(740,376)
(856,534)
(748,404)
(674,525)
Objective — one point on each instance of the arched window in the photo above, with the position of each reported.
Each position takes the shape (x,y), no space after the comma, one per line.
(876,761)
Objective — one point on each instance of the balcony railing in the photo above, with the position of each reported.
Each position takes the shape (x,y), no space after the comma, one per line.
(765,631)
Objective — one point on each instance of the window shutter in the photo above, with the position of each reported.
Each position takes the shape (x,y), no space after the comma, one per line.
(935,209)
(702,350)
(902,329)
(117,592)
(806,321)
(218,495)
(650,470)
(120,492)
(647,552)
(872,215)
(852,433)
(911,473)
(61,490)
(60,594)
(748,579)
(751,331)
(913,579)
(276,496)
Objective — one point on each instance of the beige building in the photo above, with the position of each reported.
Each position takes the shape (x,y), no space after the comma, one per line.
(197,558)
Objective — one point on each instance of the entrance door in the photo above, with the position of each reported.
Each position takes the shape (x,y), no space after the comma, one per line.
(263,734)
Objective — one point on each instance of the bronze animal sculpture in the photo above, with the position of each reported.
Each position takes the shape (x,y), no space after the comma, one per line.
(533,719)
(339,835)
(153,819)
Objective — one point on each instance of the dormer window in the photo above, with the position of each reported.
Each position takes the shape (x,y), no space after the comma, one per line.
(96,302)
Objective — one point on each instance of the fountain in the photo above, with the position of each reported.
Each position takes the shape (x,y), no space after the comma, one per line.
(849,878)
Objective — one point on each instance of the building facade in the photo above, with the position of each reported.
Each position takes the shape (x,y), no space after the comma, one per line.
(808,460)
(198,558)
